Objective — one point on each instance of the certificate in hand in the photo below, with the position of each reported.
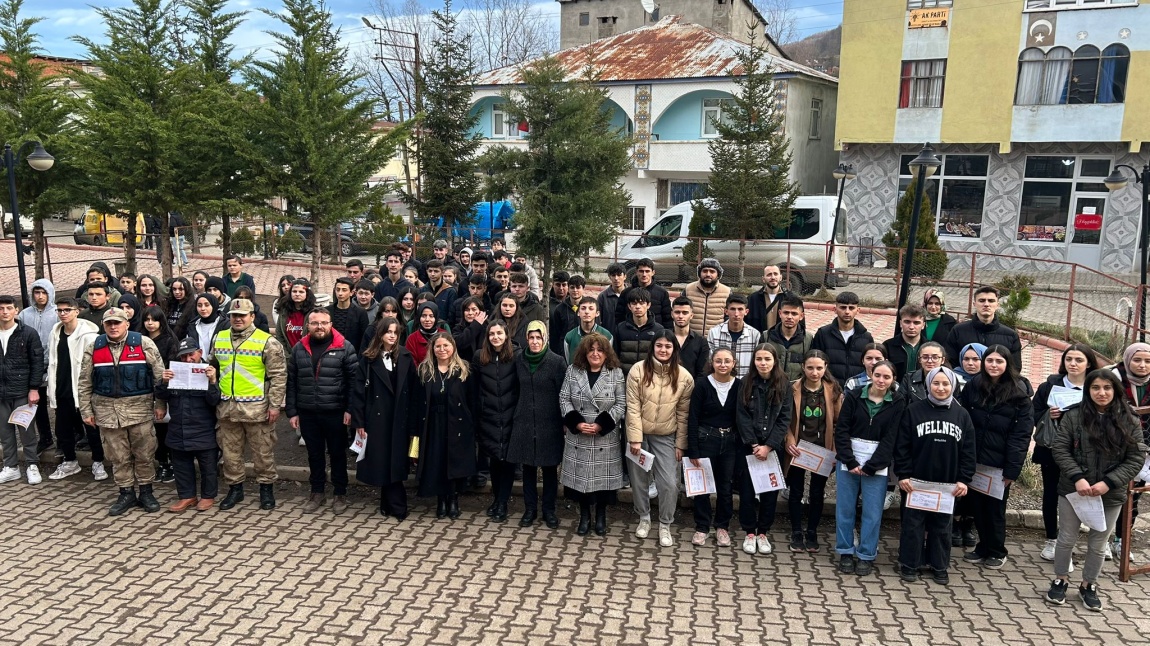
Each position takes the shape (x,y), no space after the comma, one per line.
(863,450)
(645,460)
(1089,510)
(23,415)
(699,480)
(988,480)
(189,376)
(1144,474)
(1063,397)
(931,496)
(766,475)
(359,447)
(814,458)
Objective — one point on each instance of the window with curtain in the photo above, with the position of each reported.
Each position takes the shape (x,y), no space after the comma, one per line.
(922,83)
(962,183)
(1060,77)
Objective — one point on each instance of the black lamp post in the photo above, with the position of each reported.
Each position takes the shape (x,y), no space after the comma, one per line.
(39,160)
(921,167)
(842,173)
(1117,180)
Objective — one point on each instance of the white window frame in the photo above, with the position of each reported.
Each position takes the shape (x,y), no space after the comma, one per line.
(940,177)
(1074,192)
(816,119)
(713,112)
(498,119)
(928,4)
(1065,5)
(629,218)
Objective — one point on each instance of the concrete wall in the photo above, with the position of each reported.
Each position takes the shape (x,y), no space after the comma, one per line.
(813,159)
(731,18)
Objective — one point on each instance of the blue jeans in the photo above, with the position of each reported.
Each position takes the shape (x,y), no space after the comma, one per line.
(179,256)
(873,490)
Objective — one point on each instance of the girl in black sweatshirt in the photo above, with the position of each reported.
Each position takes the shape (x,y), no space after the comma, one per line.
(712,434)
(935,444)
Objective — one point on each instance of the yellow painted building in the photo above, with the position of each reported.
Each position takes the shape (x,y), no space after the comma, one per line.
(1029,103)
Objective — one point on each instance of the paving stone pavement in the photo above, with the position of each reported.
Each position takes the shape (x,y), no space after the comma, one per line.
(76,576)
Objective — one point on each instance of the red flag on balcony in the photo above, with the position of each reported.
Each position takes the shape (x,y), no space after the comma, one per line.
(523,127)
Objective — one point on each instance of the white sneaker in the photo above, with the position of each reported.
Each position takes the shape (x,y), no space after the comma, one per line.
(33,473)
(301,442)
(652,491)
(892,500)
(98,472)
(750,545)
(644,528)
(1108,555)
(65,469)
(8,474)
(764,544)
(1048,550)
(665,535)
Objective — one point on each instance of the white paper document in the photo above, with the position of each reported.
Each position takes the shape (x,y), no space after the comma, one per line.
(931,496)
(988,480)
(23,415)
(1144,474)
(699,480)
(644,459)
(767,475)
(863,450)
(359,447)
(1089,510)
(814,458)
(189,376)
(1062,397)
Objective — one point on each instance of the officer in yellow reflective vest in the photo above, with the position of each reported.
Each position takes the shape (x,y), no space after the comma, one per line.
(253,384)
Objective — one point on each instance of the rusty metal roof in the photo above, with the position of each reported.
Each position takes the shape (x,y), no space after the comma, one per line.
(668,49)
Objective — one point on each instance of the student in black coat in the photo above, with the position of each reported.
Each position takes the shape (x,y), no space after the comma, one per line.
(935,443)
(494,392)
(191,435)
(380,405)
(660,311)
(998,401)
(844,339)
(469,332)
(984,328)
(154,325)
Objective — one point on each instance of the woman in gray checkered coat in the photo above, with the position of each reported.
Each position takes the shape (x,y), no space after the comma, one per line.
(593,400)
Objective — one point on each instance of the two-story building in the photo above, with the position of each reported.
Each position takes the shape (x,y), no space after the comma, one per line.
(584,21)
(667,84)
(1029,104)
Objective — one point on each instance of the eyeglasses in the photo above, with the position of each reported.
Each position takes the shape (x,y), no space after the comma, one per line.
(65,310)
(932,357)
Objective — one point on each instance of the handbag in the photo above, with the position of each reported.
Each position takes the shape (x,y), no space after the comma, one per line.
(1045,430)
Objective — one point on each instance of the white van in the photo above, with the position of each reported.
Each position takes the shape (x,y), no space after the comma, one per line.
(801,247)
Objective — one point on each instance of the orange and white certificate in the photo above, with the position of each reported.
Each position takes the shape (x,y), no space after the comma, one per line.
(931,496)
(814,458)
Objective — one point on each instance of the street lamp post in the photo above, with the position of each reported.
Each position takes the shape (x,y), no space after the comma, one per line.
(39,160)
(921,167)
(1115,181)
(842,173)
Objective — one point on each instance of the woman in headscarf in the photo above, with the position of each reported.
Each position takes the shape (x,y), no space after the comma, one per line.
(427,326)
(130,304)
(935,443)
(537,432)
(1134,372)
(938,322)
(969,363)
(207,322)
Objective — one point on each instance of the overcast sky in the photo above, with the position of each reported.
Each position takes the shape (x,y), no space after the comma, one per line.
(68,18)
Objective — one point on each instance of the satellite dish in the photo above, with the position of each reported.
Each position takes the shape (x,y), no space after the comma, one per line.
(649,6)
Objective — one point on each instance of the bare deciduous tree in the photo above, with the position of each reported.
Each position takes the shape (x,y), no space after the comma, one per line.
(782,22)
(507,32)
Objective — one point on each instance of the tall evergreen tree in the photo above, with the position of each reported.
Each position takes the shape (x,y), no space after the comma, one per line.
(447,143)
(929,258)
(749,187)
(319,146)
(130,142)
(568,179)
(33,107)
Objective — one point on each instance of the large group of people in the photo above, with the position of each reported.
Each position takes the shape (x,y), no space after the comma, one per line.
(459,366)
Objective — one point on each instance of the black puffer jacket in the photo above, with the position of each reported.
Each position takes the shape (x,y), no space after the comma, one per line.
(494,392)
(632,344)
(537,433)
(855,423)
(660,311)
(1002,431)
(22,365)
(761,421)
(325,389)
(988,334)
(845,356)
(193,412)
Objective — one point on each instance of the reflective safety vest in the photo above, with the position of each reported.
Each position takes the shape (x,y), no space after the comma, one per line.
(242,370)
(127,376)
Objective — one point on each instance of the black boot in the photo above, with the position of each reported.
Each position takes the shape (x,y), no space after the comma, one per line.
(584,518)
(441,507)
(551,519)
(234,497)
(528,519)
(126,501)
(500,514)
(267,496)
(167,473)
(601,519)
(147,500)
(453,511)
(491,508)
(968,537)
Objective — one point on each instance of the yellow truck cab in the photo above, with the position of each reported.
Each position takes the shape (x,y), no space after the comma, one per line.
(99,229)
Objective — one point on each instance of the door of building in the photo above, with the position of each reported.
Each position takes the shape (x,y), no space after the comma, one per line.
(1084,233)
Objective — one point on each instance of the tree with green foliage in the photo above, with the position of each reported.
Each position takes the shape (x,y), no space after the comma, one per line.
(567,180)
(380,227)
(318,144)
(447,143)
(929,259)
(130,143)
(749,189)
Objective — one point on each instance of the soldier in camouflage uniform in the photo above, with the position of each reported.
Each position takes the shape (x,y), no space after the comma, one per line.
(117,386)
(253,383)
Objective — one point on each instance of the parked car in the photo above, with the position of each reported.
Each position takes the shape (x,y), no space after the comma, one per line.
(799,249)
(348,245)
(99,229)
(26,224)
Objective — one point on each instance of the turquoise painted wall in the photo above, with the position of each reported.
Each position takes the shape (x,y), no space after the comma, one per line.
(683,119)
